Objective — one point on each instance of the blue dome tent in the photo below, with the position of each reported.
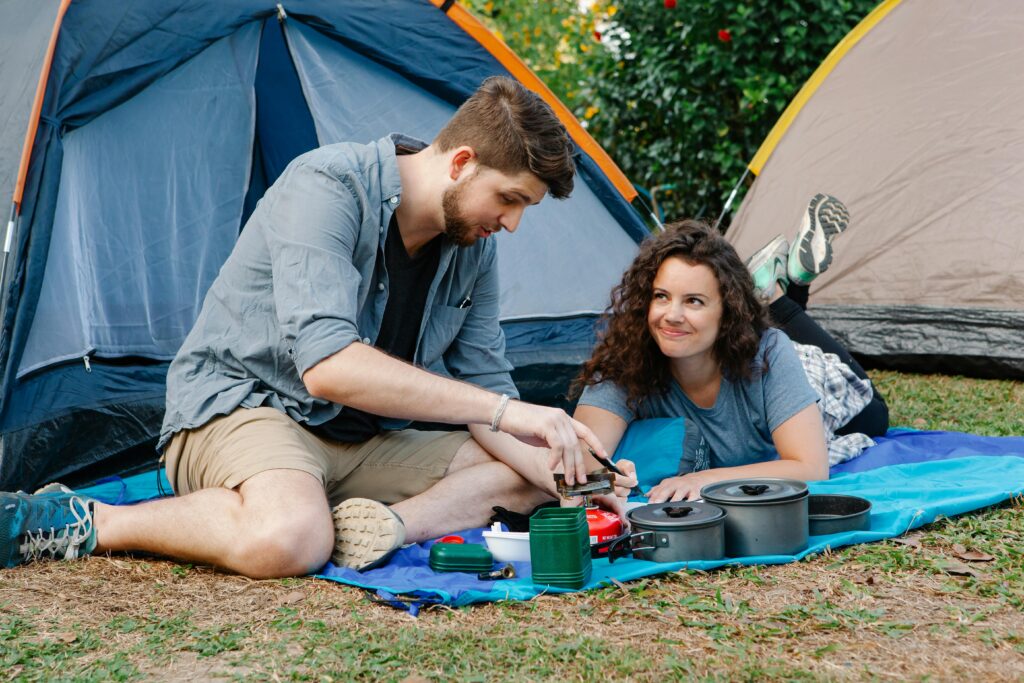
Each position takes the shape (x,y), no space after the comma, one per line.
(155,129)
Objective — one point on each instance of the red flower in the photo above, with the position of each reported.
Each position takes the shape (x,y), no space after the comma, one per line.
(597,36)
(670,4)
(724,35)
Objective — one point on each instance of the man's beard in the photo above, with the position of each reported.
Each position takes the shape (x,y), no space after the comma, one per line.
(456,227)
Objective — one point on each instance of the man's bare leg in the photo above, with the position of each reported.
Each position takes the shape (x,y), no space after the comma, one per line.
(276,523)
(463,498)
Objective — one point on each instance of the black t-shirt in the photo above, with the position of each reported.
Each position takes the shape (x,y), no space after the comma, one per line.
(409,280)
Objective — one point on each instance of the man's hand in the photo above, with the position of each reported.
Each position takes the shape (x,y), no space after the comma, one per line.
(553,429)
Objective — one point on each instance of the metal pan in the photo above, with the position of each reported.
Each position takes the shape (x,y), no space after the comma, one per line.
(834,513)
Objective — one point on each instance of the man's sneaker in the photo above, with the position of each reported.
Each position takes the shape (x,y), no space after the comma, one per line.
(811,252)
(54,525)
(54,487)
(366,534)
(768,267)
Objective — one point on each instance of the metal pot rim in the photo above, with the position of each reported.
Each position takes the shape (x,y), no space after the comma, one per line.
(791,490)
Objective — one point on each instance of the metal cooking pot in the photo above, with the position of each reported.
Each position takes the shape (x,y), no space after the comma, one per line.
(673,532)
(763,516)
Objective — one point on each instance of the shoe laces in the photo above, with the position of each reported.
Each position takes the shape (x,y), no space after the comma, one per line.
(60,542)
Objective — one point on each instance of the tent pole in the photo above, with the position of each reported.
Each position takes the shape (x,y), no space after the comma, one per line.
(8,241)
(732,196)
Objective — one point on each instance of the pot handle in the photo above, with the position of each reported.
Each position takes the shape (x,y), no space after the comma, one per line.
(754,489)
(614,547)
(622,545)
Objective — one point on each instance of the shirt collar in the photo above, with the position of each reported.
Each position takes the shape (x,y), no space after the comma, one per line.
(390,147)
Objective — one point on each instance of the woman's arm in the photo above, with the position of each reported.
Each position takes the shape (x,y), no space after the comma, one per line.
(606,425)
(803,455)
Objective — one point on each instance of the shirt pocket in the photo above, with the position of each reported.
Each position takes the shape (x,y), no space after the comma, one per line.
(443,326)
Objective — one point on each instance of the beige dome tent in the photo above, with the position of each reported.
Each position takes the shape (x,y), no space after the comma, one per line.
(915,121)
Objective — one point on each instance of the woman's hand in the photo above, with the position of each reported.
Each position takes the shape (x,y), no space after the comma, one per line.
(625,482)
(685,487)
(607,501)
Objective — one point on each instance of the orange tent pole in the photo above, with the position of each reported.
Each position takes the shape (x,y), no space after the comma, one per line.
(37,105)
(26,150)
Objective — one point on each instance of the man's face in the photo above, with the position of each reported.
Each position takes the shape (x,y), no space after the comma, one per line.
(484,200)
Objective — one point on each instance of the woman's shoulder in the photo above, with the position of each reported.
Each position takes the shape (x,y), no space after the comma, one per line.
(608,395)
(772,336)
(776,356)
(612,397)
(774,342)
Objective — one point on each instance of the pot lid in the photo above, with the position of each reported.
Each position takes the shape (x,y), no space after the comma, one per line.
(754,491)
(680,515)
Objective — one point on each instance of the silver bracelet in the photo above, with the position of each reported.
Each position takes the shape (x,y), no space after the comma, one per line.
(496,420)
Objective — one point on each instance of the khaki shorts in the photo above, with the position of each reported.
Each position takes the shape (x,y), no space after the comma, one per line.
(226,451)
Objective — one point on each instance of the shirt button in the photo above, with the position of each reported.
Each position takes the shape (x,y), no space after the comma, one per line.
(380,286)
(393,200)
(366,340)
(382,229)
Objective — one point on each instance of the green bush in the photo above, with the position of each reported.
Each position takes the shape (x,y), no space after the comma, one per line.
(680,92)
(685,95)
(554,37)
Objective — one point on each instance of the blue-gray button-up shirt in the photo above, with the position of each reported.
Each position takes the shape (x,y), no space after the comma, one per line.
(307,278)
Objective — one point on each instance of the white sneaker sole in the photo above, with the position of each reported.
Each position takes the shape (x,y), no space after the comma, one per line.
(811,252)
(366,533)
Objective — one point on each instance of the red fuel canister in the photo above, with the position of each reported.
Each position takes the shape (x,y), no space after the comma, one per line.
(603,525)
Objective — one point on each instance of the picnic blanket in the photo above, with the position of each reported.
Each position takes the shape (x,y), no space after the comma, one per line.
(910,477)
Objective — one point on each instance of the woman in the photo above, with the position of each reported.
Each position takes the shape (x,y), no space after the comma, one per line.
(688,336)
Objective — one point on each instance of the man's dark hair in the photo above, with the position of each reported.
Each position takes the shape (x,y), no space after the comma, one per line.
(512,129)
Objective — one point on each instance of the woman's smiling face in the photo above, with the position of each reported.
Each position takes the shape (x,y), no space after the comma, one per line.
(685,312)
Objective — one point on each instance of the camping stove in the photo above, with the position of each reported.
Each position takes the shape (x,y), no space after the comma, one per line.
(602,525)
(599,482)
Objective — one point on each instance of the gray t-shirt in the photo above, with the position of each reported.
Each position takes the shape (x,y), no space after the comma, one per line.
(737,430)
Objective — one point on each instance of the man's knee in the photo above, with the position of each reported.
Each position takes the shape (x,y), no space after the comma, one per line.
(288,542)
(285,525)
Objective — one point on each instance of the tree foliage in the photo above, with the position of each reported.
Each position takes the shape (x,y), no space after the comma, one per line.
(556,38)
(680,93)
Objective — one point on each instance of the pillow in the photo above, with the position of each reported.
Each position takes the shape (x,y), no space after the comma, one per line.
(656,446)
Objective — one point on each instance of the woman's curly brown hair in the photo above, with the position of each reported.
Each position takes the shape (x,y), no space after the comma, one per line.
(628,355)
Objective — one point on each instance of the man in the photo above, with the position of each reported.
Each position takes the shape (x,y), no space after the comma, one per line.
(362,269)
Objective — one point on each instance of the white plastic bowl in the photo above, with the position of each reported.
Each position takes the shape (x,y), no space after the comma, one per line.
(508,546)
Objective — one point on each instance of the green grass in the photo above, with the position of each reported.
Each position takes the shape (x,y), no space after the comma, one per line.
(989,407)
(880,611)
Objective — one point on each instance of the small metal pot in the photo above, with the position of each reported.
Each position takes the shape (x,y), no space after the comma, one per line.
(673,532)
(834,513)
(763,516)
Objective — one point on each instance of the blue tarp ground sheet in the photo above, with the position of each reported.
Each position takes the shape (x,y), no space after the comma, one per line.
(910,477)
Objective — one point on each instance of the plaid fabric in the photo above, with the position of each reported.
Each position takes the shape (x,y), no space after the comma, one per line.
(843,396)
